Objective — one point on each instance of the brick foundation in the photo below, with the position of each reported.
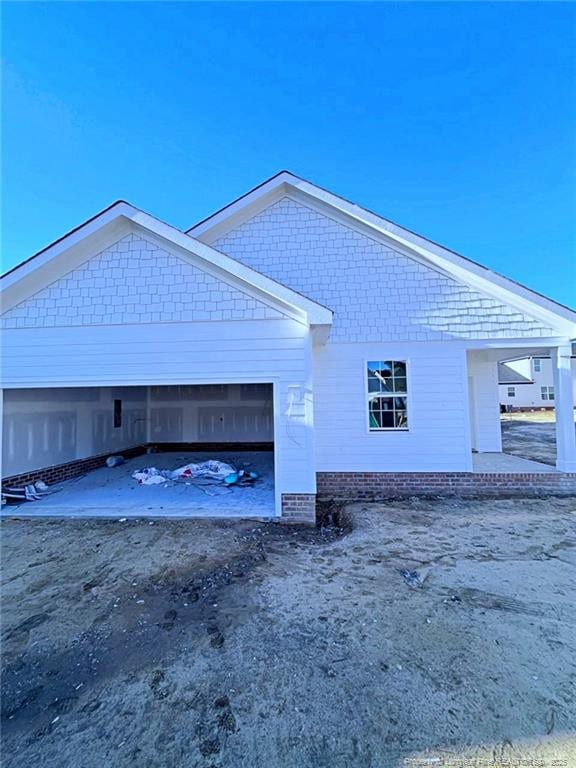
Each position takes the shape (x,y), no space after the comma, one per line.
(367,486)
(70,469)
(299,508)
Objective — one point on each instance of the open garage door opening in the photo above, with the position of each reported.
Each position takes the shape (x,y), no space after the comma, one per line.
(64,436)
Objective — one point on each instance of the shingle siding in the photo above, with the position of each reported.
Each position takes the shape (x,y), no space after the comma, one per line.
(375,292)
(135,281)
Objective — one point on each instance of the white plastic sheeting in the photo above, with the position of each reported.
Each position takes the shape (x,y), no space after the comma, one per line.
(211,470)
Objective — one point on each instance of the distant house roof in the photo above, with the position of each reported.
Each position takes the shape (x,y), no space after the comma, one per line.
(507,375)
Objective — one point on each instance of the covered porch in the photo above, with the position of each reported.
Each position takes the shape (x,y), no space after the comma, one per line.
(488,452)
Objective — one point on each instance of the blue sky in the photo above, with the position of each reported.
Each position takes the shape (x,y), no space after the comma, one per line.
(455,120)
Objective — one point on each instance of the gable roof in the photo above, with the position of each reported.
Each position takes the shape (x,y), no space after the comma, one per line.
(100,230)
(507,375)
(286,184)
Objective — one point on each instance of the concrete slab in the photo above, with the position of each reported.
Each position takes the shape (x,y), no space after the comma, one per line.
(112,492)
(505,463)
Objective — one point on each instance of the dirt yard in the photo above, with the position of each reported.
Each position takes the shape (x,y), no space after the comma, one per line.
(531,435)
(226,644)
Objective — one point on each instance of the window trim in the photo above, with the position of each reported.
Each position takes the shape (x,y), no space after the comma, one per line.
(400,430)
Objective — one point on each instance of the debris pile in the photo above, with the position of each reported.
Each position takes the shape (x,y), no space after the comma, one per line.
(209,472)
(115,461)
(32,492)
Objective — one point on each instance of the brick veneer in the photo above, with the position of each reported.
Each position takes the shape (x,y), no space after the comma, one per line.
(70,469)
(374,485)
(299,508)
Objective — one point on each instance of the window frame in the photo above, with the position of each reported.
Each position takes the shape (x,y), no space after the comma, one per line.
(511,391)
(537,364)
(545,391)
(377,430)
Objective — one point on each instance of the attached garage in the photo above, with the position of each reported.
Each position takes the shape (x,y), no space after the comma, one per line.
(135,337)
(69,432)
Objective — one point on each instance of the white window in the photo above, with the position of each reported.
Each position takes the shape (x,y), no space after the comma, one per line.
(387,395)
(547,393)
(537,365)
(511,391)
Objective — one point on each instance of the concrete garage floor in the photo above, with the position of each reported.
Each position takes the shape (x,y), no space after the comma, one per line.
(112,492)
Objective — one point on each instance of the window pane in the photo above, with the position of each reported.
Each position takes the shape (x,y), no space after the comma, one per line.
(401,419)
(399,384)
(387,385)
(387,389)
(387,419)
(380,367)
(375,422)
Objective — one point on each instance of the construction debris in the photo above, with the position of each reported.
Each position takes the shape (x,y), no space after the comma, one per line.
(115,461)
(209,472)
(415,579)
(31,492)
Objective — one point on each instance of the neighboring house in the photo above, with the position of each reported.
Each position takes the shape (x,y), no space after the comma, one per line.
(374,351)
(528,383)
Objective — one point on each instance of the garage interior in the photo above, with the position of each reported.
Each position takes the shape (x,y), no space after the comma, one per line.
(165,427)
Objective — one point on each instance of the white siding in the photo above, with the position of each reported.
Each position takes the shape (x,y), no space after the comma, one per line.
(438,435)
(277,351)
(377,293)
(485,406)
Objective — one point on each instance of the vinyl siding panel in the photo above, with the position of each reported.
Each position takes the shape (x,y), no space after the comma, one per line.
(275,350)
(438,435)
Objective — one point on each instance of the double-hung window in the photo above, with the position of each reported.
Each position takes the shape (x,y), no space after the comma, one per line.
(387,395)
(511,391)
(537,365)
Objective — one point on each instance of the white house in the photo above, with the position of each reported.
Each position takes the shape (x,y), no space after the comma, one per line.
(365,353)
(527,383)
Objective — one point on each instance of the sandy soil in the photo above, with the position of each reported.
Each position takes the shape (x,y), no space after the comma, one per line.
(228,644)
(531,435)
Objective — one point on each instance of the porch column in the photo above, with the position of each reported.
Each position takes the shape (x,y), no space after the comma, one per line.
(486,434)
(564,406)
(1,432)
